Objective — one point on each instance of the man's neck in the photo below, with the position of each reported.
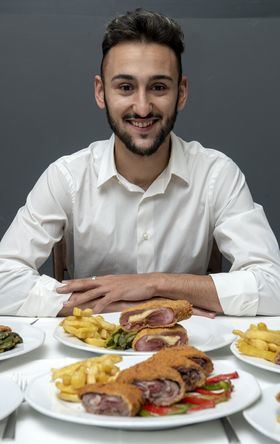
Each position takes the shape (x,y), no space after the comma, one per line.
(141,170)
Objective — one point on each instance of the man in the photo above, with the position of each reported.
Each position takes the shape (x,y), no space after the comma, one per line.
(139,211)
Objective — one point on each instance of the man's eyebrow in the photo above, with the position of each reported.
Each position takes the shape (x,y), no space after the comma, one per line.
(123,77)
(130,77)
(161,77)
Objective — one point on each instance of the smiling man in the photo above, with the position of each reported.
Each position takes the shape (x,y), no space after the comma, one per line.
(139,212)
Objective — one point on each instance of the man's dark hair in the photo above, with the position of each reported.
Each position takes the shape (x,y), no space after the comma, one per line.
(144,26)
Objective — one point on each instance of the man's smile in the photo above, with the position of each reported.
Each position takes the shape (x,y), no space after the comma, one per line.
(142,123)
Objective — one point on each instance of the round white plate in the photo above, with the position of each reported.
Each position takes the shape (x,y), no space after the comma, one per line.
(262,415)
(11,396)
(204,333)
(41,395)
(32,337)
(257,362)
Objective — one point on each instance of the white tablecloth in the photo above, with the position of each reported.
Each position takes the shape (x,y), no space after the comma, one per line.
(35,427)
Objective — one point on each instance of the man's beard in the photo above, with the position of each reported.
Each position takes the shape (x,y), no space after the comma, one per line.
(127,140)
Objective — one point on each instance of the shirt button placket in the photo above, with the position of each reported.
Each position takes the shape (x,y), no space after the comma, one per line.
(145,243)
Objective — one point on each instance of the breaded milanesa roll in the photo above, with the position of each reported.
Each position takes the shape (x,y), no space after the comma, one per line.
(192,374)
(160,385)
(5,328)
(155,314)
(154,339)
(191,353)
(111,398)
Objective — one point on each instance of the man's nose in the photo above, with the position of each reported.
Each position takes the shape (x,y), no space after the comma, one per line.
(142,105)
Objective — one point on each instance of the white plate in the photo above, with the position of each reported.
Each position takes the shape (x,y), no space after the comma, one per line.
(257,362)
(204,333)
(11,396)
(32,337)
(262,415)
(41,395)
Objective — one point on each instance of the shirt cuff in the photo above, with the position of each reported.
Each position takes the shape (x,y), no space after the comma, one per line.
(43,300)
(237,292)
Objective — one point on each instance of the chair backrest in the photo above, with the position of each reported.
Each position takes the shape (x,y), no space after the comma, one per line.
(215,262)
(59,260)
(59,263)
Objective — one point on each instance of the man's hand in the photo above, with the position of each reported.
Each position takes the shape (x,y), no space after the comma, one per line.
(117,292)
(106,290)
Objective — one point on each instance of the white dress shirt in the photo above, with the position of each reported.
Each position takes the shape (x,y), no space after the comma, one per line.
(112,226)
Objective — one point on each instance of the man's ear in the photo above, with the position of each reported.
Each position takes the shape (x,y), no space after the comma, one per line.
(99,92)
(183,93)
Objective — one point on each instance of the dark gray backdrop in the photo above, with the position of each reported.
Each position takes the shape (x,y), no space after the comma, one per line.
(50,51)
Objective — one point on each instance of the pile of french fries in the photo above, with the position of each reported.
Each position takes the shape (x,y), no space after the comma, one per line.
(259,341)
(71,378)
(93,330)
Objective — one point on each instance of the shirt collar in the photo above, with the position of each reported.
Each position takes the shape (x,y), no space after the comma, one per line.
(177,163)
(107,168)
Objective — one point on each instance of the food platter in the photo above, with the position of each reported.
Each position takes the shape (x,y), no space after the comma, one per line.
(41,395)
(204,333)
(262,415)
(11,396)
(32,337)
(256,362)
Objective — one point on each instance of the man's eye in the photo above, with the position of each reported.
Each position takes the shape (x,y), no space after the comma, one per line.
(159,87)
(125,87)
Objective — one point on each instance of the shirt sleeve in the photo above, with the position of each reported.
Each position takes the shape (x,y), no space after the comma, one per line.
(244,237)
(28,243)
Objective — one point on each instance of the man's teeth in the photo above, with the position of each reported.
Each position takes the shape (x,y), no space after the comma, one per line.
(142,124)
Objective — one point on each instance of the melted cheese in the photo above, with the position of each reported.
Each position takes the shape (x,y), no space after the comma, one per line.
(170,340)
(140,316)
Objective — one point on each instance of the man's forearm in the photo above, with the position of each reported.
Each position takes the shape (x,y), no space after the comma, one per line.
(198,290)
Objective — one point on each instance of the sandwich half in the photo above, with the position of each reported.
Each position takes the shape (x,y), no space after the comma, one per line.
(154,339)
(155,314)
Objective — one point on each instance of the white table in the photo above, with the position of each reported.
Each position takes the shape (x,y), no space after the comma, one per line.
(35,427)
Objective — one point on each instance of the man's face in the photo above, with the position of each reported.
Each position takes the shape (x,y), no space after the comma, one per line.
(141,94)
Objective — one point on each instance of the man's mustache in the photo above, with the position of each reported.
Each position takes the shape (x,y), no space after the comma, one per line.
(136,116)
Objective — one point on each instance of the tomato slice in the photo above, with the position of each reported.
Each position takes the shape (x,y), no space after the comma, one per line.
(222,377)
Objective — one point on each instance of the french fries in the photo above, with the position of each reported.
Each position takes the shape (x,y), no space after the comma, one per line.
(93,330)
(259,341)
(71,378)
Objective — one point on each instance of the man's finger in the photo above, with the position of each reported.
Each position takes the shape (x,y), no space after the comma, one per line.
(81,298)
(202,312)
(78,285)
(103,302)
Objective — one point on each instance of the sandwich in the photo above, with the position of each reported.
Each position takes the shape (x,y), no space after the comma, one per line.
(111,398)
(154,339)
(189,352)
(155,314)
(160,384)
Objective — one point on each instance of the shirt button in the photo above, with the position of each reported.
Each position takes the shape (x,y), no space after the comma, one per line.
(146,236)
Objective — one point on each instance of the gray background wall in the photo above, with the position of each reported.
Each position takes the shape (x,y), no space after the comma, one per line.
(50,51)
